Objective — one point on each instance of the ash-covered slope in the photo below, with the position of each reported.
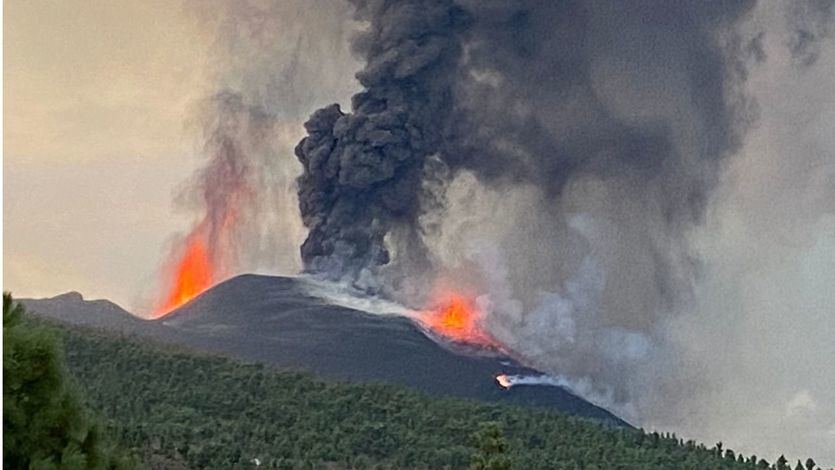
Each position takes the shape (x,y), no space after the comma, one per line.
(71,307)
(275,320)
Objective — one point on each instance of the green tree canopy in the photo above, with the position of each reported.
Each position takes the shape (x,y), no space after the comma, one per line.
(491,447)
(44,423)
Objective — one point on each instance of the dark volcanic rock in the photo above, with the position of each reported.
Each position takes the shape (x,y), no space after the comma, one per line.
(276,321)
(72,308)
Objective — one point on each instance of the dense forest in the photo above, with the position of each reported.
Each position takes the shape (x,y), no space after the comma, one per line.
(173,408)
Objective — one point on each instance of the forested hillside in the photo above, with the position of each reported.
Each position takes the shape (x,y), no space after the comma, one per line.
(45,425)
(176,409)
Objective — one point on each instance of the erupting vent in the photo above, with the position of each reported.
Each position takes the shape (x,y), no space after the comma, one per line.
(458,319)
(226,192)
(192,275)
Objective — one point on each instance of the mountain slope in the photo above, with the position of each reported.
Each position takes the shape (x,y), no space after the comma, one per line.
(71,307)
(193,411)
(276,321)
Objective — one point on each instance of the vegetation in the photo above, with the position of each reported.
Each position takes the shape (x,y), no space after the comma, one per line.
(491,447)
(44,423)
(179,409)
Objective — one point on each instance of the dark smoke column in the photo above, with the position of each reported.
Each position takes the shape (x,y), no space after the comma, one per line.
(363,170)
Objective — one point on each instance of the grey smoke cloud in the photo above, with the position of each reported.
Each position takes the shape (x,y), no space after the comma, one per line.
(620,115)
(809,22)
(577,157)
(755,343)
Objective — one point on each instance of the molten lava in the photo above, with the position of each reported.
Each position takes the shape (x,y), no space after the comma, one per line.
(504,381)
(192,275)
(457,318)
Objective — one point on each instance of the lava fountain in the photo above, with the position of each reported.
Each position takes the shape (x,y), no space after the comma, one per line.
(192,274)
(205,256)
(226,194)
(457,318)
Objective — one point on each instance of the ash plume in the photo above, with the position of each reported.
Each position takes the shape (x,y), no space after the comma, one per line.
(363,171)
(561,159)
(607,123)
(272,55)
(601,175)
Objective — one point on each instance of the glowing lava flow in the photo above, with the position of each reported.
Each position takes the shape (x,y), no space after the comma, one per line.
(192,275)
(457,318)
(504,381)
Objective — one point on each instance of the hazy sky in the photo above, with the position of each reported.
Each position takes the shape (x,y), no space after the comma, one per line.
(96,96)
(102,124)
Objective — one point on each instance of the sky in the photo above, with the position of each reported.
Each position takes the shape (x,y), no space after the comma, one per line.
(98,96)
(100,141)
(102,111)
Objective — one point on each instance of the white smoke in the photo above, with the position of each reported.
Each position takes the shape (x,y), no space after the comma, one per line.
(345,295)
(582,388)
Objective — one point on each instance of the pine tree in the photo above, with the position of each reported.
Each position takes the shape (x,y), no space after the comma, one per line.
(44,423)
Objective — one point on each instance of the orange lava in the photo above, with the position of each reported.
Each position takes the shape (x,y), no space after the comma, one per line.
(192,275)
(457,318)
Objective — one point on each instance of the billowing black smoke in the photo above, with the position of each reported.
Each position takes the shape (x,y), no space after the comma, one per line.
(363,171)
(518,92)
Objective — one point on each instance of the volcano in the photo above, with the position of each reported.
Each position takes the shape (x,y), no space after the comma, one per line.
(279,321)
